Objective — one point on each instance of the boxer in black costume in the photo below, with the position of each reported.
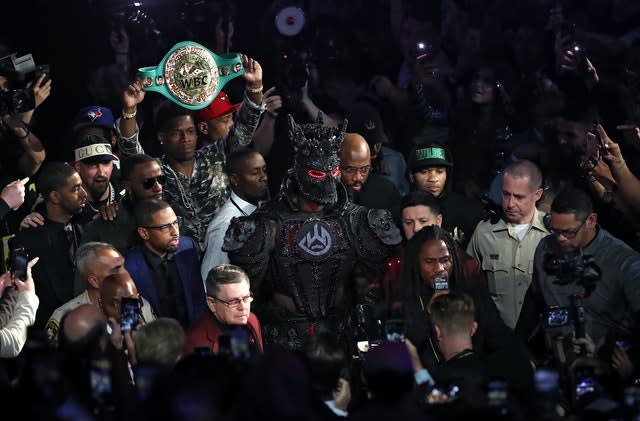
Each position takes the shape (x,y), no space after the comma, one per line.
(301,250)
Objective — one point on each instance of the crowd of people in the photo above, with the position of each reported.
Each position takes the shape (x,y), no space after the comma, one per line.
(400,209)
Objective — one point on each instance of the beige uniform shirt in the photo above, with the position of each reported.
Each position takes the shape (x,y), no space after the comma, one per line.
(507,261)
(53,325)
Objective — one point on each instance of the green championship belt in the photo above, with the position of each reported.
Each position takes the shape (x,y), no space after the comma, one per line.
(190,75)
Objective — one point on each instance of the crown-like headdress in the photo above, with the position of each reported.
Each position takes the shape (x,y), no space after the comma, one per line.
(316,139)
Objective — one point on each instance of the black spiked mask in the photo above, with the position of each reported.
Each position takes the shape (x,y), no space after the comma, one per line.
(316,164)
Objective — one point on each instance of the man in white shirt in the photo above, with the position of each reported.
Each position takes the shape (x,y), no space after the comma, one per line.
(247,172)
(506,248)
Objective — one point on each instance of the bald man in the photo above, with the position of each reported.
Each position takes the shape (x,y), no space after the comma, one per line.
(94,262)
(366,188)
(78,323)
(114,288)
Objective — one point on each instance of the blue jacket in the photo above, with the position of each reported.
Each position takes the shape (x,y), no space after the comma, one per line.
(188,265)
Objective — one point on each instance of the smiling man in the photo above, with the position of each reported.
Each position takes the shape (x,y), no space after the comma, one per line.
(365,187)
(94,163)
(229,302)
(505,249)
(166,266)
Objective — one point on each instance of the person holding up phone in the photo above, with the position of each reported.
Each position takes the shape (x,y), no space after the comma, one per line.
(18,306)
(122,304)
(627,184)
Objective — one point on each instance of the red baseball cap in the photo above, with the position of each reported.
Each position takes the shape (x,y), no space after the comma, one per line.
(219,106)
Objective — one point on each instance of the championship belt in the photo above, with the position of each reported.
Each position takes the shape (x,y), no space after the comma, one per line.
(190,75)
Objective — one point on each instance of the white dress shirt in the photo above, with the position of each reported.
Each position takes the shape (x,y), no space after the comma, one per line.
(216,230)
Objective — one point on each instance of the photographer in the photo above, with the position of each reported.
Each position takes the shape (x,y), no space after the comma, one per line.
(570,261)
(23,153)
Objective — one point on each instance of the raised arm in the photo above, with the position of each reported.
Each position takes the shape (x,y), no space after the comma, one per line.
(128,125)
(248,115)
(32,152)
(628,185)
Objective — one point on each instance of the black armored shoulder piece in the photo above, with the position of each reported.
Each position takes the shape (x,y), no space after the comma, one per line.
(381,223)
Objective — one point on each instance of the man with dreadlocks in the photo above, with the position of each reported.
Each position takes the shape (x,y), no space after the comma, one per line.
(300,250)
(433,267)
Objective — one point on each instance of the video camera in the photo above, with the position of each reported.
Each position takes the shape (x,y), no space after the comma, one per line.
(568,268)
(579,268)
(19,71)
(560,321)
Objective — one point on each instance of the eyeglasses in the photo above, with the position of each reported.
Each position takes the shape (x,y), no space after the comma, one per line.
(150,182)
(351,171)
(167,227)
(236,302)
(568,234)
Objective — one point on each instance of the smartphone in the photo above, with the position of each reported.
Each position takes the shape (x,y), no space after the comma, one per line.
(442,394)
(395,330)
(423,50)
(580,57)
(584,381)
(18,259)
(100,380)
(129,313)
(145,378)
(624,345)
(240,344)
(497,393)
(557,317)
(224,345)
(595,145)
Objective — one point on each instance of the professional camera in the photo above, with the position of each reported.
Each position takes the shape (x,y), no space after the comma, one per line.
(16,101)
(561,321)
(579,268)
(19,71)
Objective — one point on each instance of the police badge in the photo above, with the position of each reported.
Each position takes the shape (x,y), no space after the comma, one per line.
(190,75)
